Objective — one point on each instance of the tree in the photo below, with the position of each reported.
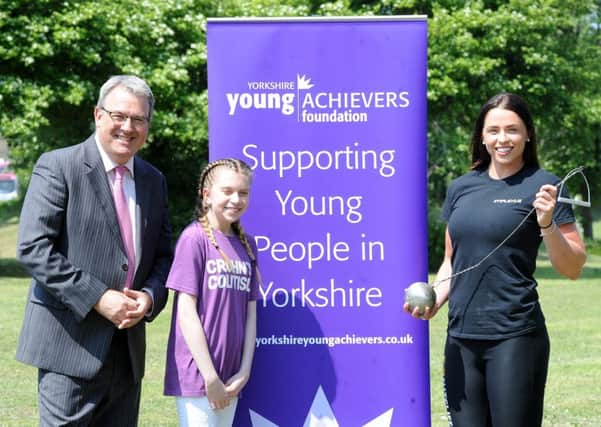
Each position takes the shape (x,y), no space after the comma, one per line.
(54,55)
(546,50)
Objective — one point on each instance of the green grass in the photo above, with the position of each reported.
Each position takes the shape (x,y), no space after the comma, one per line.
(9,267)
(573,396)
(8,235)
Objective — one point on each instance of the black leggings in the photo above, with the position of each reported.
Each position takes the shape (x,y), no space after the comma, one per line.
(496,383)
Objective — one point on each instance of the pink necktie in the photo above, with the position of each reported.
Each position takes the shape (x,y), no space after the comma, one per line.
(124,223)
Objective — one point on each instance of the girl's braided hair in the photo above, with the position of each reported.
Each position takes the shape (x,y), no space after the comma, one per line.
(207,178)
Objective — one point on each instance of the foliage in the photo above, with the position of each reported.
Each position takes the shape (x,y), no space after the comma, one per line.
(546,50)
(54,55)
(535,48)
(436,237)
(593,247)
(9,210)
(531,48)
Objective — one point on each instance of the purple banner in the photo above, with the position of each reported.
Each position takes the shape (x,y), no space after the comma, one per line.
(331,115)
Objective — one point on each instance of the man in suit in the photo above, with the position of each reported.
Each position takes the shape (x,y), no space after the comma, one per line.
(84,325)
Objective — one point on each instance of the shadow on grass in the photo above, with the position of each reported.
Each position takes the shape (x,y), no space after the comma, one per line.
(547,272)
(10,267)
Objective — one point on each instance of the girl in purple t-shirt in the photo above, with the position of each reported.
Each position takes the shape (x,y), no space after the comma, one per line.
(215,279)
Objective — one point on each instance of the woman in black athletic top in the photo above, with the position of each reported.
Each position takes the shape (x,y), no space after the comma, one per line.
(497,348)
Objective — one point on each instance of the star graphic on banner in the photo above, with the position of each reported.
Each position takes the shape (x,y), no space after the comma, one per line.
(303,82)
(321,415)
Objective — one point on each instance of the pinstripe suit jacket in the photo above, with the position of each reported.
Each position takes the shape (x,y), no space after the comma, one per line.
(69,240)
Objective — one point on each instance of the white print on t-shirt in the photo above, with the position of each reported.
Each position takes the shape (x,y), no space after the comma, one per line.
(507,201)
(235,266)
(235,275)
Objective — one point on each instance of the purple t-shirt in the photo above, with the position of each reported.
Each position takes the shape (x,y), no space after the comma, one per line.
(223,295)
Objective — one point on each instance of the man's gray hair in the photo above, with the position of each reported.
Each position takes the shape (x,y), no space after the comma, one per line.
(133,84)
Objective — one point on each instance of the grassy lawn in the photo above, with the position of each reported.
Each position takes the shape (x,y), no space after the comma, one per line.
(572,310)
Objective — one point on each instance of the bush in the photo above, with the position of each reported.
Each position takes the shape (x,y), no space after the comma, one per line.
(593,247)
(436,231)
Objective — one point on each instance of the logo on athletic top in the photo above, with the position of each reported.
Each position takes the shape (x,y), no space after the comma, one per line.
(507,201)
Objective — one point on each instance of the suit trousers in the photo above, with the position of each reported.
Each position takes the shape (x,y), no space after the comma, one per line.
(111,398)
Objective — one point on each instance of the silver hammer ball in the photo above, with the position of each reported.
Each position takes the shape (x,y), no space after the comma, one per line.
(420,295)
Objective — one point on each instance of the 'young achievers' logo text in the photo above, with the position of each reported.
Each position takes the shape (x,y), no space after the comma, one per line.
(312,106)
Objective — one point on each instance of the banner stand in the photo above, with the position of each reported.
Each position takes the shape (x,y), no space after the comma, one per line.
(331,114)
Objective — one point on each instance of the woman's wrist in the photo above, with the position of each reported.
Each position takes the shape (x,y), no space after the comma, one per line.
(550,229)
(546,226)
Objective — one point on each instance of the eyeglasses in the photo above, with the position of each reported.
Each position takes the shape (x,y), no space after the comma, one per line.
(119,118)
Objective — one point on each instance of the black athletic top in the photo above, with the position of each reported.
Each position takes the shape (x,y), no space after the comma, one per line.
(498,299)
